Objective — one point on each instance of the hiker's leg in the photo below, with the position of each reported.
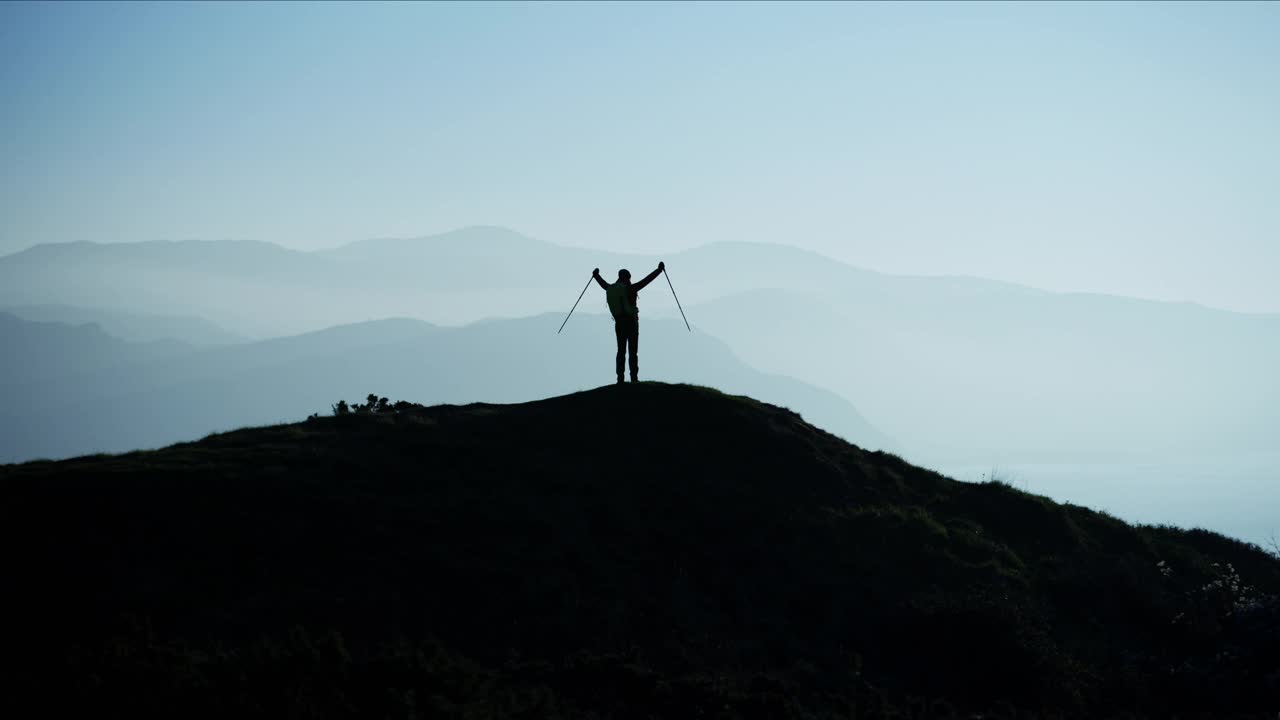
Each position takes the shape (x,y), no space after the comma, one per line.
(620,332)
(634,341)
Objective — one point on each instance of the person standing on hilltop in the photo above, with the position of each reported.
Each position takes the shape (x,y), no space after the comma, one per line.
(626,317)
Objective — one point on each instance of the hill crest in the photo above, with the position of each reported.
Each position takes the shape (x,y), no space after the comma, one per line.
(645,536)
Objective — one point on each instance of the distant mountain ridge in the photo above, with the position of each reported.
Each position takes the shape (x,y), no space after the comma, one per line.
(487,253)
(56,352)
(475,258)
(957,369)
(132,327)
(120,396)
(1040,376)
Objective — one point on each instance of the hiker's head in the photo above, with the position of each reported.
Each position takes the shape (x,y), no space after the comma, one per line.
(624,275)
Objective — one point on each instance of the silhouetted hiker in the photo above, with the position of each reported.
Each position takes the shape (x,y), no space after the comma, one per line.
(626,317)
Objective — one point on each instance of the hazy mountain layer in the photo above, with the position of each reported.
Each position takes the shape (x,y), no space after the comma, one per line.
(956,369)
(54,353)
(153,400)
(994,377)
(458,277)
(130,326)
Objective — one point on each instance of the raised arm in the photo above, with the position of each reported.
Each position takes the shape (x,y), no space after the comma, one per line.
(595,274)
(649,278)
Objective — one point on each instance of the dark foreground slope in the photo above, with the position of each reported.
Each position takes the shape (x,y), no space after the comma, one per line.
(644,551)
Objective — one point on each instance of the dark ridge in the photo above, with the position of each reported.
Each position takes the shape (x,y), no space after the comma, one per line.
(640,551)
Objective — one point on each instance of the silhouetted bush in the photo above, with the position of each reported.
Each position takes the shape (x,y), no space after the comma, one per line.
(373,405)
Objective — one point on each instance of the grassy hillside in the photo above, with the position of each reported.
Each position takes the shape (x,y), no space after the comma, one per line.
(642,551)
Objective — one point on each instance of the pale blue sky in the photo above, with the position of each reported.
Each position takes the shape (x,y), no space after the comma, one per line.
(1123,148)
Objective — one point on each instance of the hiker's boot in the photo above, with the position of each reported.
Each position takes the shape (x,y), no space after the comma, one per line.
(635,377)
(619,379)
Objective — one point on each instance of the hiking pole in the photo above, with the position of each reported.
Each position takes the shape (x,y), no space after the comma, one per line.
(575,303)
(677,297)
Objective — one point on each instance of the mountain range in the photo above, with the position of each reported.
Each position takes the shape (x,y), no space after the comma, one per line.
(133,327)
(955,369)
(74,390)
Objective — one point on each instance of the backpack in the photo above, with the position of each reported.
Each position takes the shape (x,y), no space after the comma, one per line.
(620,301)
